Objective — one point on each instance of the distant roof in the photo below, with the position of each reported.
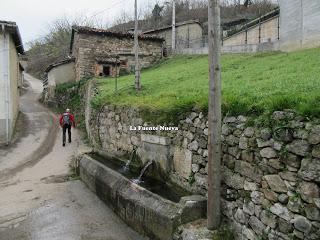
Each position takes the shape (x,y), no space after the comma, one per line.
(13,29)
(105,32)
(170,26)
(59,63)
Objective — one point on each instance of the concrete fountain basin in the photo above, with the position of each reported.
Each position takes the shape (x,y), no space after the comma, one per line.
(144,211)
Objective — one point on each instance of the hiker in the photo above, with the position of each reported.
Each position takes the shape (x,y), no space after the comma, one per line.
(66,121)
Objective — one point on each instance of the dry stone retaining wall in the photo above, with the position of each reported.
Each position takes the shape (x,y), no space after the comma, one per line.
(271,175)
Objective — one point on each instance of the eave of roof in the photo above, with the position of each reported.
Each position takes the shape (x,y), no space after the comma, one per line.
(13,29)
(59,63)
(104,32)
(169,27)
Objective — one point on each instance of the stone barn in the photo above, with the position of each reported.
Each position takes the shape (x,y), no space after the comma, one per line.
(100,52)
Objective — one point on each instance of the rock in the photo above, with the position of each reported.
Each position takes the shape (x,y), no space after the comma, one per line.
(270,195)
(299,147)
(205,131)
(268,153)
(302,224)
(233,180)
(256,225)
(300,133)
(135,140)
(289,176)
(226,130)
(314,136)
(316,151)
(250,186)
(308,191)
(310,170)
(229,161)
(284,135)
(229,120)
(276,164)
(193,115)
(261,143)
(189,135)
(205,153)
(202,143)
(280,211)
(196,158)
(257,197)
(247,170)
(268,219)
(249,132)
(247,156)
(248,207)
(317,202)
(265,134)
(277,146)
(248,234)
(284,226)
(241,118)
(234,151)
(294,205)
(232,140)
(297,234)
(292,160)
(193,146)
(276,183)
(201,180)
(312,212)
(283,198)
(243,143)
(257,210)
(240,216)
(195,168)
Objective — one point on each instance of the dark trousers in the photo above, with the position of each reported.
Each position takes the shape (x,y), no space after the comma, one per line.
(65,127)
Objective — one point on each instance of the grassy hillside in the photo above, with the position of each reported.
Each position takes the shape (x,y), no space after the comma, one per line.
(251,84)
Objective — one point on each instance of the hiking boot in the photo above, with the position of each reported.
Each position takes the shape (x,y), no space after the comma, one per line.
(63,144)
(69,141)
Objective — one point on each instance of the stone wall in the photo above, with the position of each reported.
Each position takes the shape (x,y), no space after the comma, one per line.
(89,49)
(271,175)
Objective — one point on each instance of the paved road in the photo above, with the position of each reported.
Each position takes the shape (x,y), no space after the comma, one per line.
(36,201)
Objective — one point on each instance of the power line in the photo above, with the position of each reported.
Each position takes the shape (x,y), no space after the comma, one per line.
(106,9)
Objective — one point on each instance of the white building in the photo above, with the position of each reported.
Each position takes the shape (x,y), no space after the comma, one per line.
(10,78)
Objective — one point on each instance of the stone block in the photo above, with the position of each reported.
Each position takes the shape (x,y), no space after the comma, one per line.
(155,139)
(276,183)
(182,161)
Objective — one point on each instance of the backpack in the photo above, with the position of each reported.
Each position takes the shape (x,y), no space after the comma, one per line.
(66,119)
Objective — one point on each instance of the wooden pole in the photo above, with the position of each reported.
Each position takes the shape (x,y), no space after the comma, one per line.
(137,82)
(214,117)
(173,43)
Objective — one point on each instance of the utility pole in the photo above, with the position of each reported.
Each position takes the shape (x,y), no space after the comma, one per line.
(214,117)
(137,82)
(173,43)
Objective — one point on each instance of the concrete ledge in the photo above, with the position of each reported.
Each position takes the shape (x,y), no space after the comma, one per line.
(155,139)
(141,209)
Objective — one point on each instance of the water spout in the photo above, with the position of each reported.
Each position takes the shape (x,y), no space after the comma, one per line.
(144,169)
(126,167)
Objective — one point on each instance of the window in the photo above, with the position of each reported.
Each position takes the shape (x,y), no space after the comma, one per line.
(106,70)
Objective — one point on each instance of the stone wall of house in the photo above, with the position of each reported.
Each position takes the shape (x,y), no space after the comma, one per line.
(271,175)
(88,47)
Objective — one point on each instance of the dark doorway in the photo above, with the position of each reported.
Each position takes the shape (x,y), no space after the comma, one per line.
(106,70)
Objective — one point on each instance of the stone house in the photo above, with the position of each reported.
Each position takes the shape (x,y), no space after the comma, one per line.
(189,34)
(100,52)
(10,78)
(57,73)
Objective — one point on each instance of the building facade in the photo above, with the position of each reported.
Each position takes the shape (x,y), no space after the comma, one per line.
(10,78)
(57,73)
(299,24)
(189,34)
(99,52)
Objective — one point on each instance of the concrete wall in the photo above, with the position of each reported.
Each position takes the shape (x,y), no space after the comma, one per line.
(88,47)
(268,33)
(187,36)
(299,24)
(60,74)
(9,56)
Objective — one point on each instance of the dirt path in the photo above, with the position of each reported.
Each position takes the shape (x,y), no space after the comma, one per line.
(36,201)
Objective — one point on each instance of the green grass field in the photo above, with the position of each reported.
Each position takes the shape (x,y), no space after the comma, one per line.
(252,84)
